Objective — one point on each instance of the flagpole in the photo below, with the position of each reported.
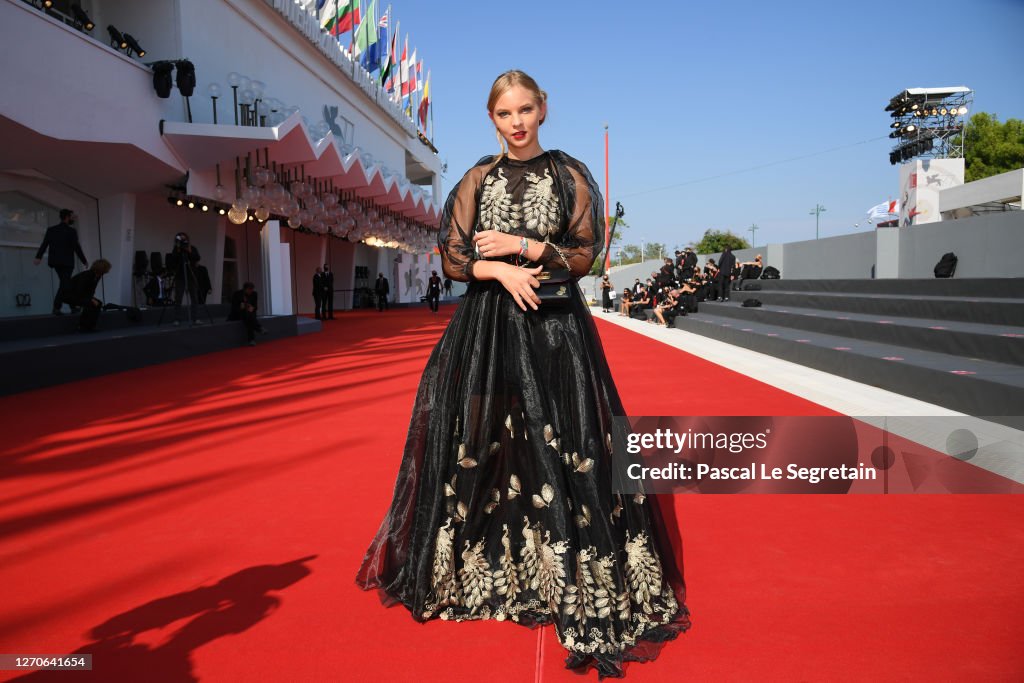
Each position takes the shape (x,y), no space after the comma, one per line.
(352,38)
(607,199)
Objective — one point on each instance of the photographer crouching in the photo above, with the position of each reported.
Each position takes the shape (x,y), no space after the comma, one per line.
(81,290)
(181,262)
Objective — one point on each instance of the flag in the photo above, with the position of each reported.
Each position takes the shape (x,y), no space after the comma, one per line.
(403,68)
(884,212)
(373,55)
(339,16)
(425,103)
(413,69)
(366,34)
(385,72)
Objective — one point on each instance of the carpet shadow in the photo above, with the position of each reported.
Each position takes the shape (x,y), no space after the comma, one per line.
(233,605)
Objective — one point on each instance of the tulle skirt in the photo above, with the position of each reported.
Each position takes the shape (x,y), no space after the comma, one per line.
(504,507)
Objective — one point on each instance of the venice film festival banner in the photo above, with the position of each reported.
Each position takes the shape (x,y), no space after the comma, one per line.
(801,454)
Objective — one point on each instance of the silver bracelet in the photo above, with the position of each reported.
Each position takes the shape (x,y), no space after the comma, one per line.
(561,256)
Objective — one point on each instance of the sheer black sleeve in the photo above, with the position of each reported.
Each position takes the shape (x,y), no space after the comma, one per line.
(458,220)
(584,238)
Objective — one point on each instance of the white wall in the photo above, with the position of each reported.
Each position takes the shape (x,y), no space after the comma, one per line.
(986,246)
(111,95)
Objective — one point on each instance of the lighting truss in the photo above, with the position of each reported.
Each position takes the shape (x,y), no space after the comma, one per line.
(929,122)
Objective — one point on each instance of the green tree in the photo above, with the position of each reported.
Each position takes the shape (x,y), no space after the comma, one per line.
(991,147)
(714,241)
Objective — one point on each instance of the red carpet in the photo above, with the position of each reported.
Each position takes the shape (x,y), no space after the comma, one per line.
(204,519)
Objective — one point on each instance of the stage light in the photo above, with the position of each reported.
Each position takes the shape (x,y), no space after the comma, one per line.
(943,111)
(134,45)
(180,202)
(191,204)
(82,18)
(221,211)
(913,107)
(205,208)
(896,124)
(909,129)
(186,77)
(961,111)
(116,39)
(161,78)
(47,4)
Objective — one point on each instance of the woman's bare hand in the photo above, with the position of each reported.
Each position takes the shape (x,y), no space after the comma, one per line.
(521,283)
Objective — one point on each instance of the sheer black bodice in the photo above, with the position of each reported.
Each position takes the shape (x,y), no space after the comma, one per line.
(503,508)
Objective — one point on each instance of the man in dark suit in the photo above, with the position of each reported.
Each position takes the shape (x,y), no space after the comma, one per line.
(318,292)
(62,242)
(382,288)
(328,281)
(81,291)
(433,290)
(725,265)
(243,307)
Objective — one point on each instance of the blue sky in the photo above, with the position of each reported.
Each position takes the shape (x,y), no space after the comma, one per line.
(697,93)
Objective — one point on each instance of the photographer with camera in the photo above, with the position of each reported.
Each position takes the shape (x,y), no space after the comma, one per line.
(181,262)
(80,291)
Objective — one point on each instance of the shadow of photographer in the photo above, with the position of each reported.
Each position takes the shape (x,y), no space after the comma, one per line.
(231,606)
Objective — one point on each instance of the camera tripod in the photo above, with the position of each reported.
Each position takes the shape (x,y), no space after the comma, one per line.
(191,288)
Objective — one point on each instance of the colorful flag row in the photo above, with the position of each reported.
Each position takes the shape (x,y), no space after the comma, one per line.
(369,42)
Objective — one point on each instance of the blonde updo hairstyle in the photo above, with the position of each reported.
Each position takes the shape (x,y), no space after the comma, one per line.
(509,80)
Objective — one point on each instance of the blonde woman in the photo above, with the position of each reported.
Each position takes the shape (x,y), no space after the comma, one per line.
(504,507)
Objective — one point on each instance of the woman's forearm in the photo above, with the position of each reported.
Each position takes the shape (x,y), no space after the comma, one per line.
(489,270)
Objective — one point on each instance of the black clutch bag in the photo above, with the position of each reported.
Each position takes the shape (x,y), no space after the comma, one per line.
(555,287)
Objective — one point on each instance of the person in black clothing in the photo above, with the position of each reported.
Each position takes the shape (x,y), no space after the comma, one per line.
(382,288)
(328,282)
(81,291)
(688,264)
(726,263)
(749,270)
(447,286)
(318,292)
(433,290)
(203,285)
(62,242)
(243,307)
(181,261)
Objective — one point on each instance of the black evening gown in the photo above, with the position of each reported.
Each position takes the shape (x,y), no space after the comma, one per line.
(503,508)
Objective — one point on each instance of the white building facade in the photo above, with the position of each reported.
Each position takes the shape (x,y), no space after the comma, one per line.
(83,128)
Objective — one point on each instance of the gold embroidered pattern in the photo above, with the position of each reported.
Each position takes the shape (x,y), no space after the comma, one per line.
(543,566)
(643,571)
(497,210)
(445,587)
(540,205)
(506,577)
(626,614)
(476,576)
